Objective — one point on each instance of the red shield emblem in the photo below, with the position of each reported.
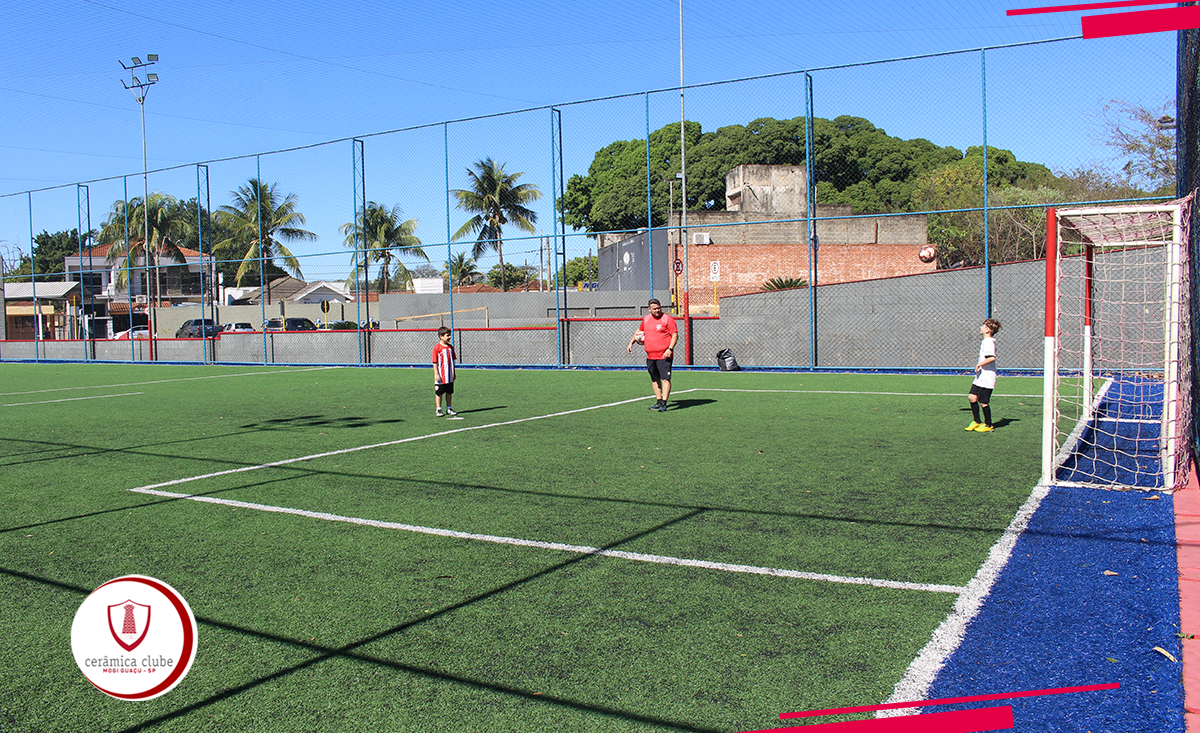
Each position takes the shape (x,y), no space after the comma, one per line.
(128,621)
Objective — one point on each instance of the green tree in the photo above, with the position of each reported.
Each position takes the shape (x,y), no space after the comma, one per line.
(1144,139)
(955,190)
(259,217)
(50,249)
(511,276)
(856,164)
(496,199)
(579,269)
(383,236)
(170,228)
(462,270)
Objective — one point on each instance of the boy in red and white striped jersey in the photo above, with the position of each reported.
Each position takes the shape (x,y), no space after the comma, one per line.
(443,372)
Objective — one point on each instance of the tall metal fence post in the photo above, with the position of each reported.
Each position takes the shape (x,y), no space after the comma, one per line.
(262,275)
(360,220)
(83,207)
(449,257)
(37,309)
(562,326)
(810,187)
(204,237)
(987,259)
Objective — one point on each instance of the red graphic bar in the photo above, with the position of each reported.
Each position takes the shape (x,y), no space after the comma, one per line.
(955,721)
(1088,6)
(1143,21)
(950,701)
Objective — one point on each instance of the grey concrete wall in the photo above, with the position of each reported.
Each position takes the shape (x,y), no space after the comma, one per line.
(917,321)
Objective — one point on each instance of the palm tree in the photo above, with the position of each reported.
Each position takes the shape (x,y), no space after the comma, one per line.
(170,226)
(462,270)
(258,218)
(496,199)
(383,237)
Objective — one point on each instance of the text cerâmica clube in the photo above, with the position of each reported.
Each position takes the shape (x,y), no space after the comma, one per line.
(126,665)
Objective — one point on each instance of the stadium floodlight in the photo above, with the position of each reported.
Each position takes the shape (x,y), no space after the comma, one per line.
(140,89)
(1117,397)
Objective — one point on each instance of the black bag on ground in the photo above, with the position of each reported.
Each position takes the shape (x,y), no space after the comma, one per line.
(726,361)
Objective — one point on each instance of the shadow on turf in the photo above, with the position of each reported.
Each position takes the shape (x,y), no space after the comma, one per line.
(685,404)
(316,421)
(348,651)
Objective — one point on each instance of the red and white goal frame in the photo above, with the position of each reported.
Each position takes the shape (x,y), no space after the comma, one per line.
(1116,394)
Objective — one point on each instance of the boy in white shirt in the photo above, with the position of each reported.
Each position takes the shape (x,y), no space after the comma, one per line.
(985,378)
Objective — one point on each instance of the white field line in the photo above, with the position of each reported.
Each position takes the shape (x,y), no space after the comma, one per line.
(164,381)
(560,547)
(356,449)
(949,635)
(848,391)
(72,399)
(661,559)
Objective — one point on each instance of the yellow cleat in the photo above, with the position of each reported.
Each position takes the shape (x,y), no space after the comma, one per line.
(984,429)
(973,425)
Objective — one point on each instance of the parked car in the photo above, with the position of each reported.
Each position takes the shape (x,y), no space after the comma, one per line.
(237,328)
(289,324)
(197,328)
(137,332)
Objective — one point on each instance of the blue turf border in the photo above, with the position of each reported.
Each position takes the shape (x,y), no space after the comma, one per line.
(1054,619)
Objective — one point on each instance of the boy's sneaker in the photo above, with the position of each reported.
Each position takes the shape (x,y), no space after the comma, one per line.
(984,429)
(973,426)
(657,405)
(450,412)
(437,412)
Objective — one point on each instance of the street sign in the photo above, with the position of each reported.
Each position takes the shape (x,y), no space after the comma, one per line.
(714,271)
(678,267)
(324,306)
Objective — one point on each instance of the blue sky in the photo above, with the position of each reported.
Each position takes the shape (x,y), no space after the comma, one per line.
(239,79)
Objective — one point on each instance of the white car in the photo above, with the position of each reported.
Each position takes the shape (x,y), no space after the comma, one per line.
(237,328)
(137,332)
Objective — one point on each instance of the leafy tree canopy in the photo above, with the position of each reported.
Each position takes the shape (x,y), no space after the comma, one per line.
(856,163)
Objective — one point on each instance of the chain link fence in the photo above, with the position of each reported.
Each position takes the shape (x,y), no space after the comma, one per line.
(375,239)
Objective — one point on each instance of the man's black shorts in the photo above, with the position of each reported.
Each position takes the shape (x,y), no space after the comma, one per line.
(984,394)
(444,388)
(659,369)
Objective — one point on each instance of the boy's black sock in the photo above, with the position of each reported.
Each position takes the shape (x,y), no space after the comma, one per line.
(975,410)
(987,414)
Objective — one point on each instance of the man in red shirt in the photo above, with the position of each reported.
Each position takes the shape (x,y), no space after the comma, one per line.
(658,334)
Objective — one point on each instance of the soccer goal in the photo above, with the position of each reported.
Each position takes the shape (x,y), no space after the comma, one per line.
(1118,345)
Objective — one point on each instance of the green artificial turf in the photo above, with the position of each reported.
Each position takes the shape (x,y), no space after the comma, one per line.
(309,624)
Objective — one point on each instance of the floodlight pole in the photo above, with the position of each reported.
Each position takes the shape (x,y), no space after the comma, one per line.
(140,89)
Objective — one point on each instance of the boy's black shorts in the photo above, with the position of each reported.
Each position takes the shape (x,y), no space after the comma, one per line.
(984,393)
(441,389)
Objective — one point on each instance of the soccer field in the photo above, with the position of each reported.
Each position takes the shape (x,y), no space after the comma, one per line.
(561,558)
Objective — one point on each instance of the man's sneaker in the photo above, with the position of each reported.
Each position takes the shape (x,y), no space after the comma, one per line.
(450,412)
(984,429)
(657,405)
(973,425)
(437,412)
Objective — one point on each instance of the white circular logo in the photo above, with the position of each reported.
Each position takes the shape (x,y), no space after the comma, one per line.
(134,638)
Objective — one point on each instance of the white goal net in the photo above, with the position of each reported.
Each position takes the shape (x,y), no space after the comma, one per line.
(1118,347)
